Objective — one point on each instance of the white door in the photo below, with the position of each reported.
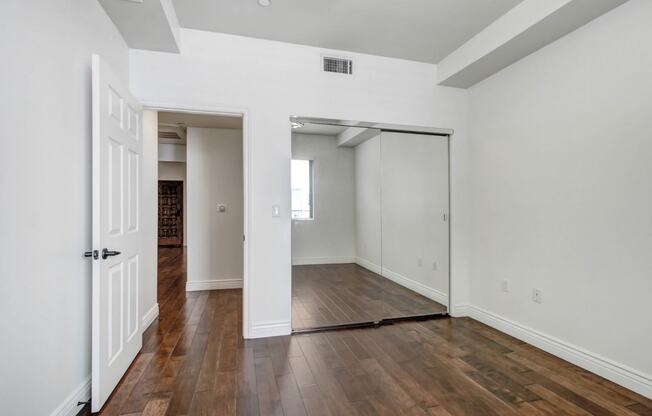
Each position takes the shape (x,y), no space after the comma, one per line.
(117,185)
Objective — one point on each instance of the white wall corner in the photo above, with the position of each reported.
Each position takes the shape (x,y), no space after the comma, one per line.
(215,284)
(618,373)
(270,329)
(149,317)
(69,405)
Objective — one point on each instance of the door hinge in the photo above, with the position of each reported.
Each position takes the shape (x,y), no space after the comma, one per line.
(94,254)
(243,238)
(445,217)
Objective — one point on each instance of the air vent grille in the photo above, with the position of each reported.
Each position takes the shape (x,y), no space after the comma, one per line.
(337,65)
(170,135)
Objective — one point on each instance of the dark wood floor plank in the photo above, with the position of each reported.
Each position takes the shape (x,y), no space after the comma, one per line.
(331,294)
(195,362)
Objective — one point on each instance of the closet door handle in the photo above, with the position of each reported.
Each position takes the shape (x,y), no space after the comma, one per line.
(109,253)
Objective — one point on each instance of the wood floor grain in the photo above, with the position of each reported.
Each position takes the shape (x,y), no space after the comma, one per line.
(334,294)
(195,362)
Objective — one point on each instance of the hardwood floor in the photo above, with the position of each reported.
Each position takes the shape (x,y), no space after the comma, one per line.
(195,362)
(332,294)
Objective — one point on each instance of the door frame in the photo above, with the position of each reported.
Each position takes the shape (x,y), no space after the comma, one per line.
(217,110)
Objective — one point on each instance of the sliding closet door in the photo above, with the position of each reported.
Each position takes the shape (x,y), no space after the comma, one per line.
(336,238)
(415,226)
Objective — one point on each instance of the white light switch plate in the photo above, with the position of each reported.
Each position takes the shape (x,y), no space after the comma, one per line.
(276,211)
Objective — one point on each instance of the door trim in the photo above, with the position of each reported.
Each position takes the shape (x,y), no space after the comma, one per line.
(247,191)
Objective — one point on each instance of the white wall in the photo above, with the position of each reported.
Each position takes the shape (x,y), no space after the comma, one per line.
(562,193)
(273,80)
(330,236)
(168,152)
(149,284)
(176,171)
(368,203)
(45,179)
(215,175)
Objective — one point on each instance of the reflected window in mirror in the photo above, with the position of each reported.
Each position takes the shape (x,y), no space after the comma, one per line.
(301,173)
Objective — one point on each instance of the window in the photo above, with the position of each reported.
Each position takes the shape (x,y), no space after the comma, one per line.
(301,182)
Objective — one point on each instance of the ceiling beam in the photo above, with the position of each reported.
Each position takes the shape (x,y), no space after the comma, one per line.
(526,28)
(151,24)
(353,136)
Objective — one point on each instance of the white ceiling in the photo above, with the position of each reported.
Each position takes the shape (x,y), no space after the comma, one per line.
(166,118)
(200,120)
(419,30)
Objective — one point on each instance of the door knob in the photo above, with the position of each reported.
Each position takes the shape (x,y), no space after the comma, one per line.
(108,253)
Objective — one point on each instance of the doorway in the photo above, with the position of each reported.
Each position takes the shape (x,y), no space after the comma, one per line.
(202,176)
(170,213)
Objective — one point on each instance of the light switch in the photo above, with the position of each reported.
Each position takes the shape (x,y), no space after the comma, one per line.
(276,211)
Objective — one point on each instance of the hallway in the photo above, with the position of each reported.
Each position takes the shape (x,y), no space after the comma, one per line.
(195,362)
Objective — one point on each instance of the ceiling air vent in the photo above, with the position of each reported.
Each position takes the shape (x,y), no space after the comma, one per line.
(171,131)
(337,65)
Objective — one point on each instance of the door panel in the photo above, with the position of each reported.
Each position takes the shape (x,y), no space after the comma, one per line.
(117,150)
(415,232)
(132,180)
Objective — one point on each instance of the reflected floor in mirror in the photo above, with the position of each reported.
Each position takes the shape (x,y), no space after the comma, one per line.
(334,294)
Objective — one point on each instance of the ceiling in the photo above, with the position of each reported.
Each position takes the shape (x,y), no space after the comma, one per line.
(200,120)
(418,30)
(167,119)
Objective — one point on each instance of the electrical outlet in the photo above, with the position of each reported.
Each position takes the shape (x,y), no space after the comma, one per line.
(434,266)
(420,262)
(505,285)
(536,295)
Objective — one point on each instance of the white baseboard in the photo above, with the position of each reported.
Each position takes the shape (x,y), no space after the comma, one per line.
(368,265)
(420,288)
(149,317)
(302,261)
(270,329)
(609,369)
(413,285)
(460,310)
(195,285)
(69,406)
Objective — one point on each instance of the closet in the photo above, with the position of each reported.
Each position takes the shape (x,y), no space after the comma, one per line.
(370,223)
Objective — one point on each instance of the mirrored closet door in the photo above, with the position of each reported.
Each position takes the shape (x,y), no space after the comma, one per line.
(414,206)
(329,211)
(369,225)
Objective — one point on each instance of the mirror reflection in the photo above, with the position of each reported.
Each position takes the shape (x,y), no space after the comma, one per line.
(369,233)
